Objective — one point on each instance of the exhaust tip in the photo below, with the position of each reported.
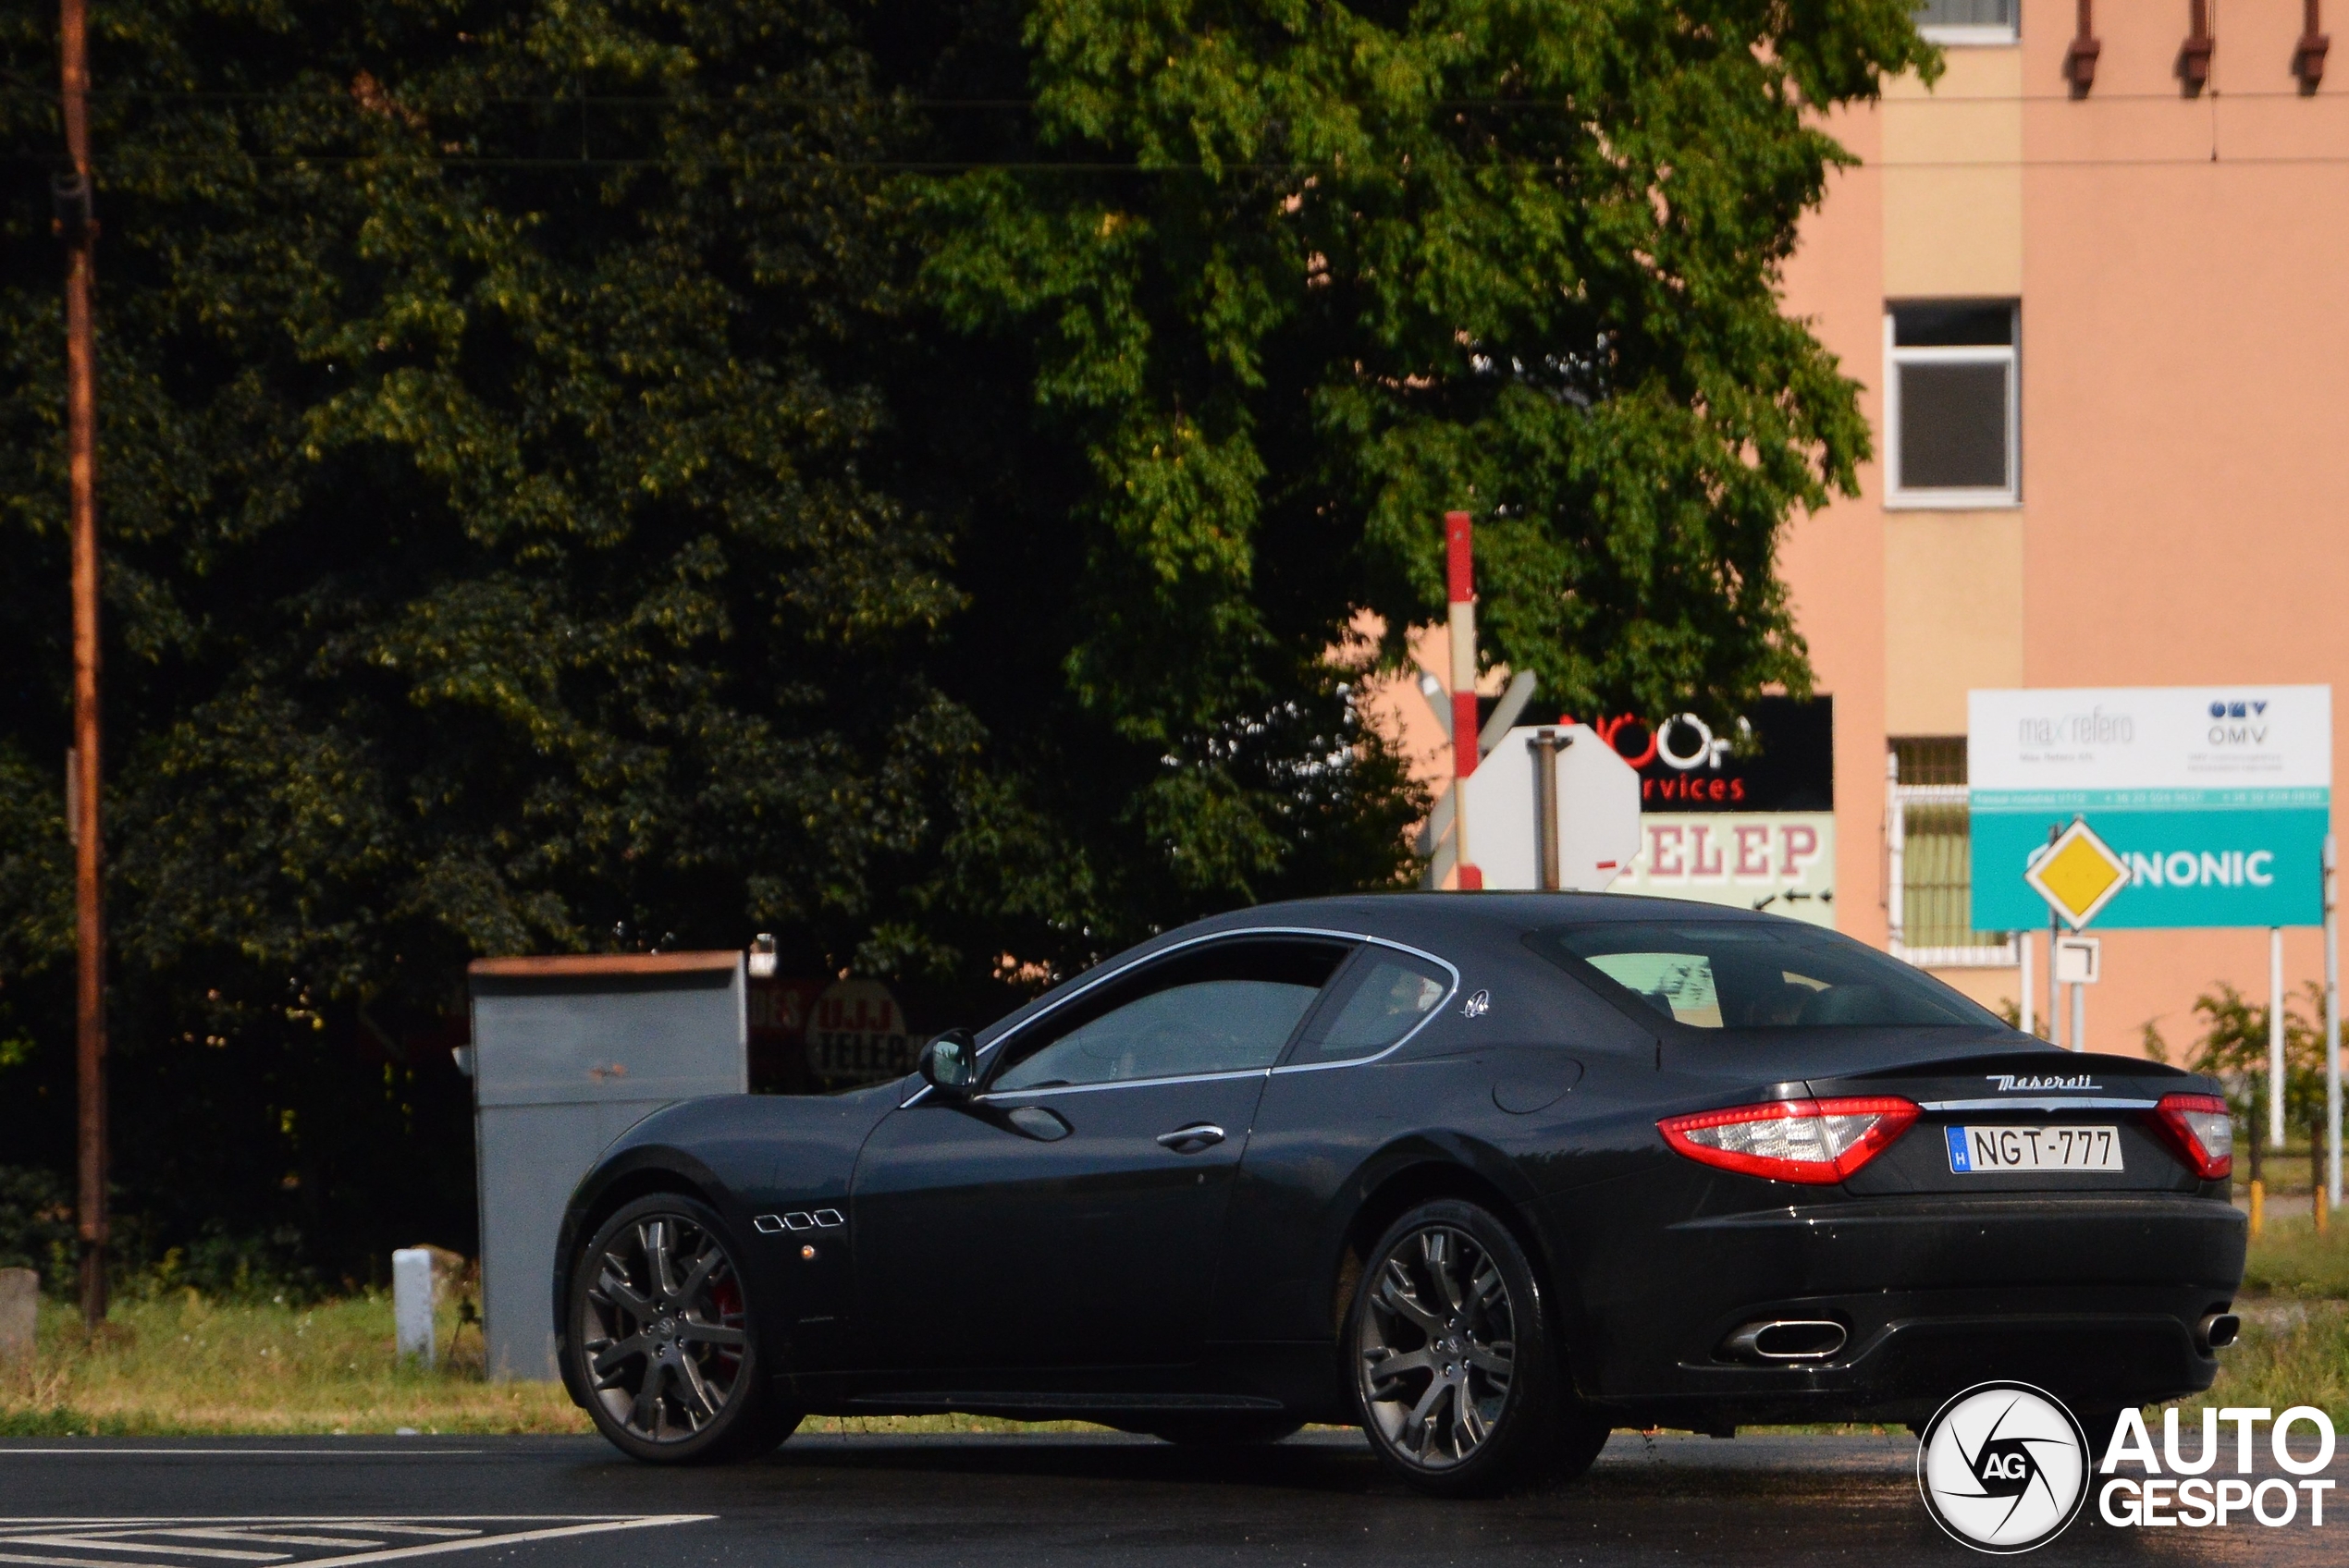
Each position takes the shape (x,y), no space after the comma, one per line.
(1788,1338)
(2219,1330)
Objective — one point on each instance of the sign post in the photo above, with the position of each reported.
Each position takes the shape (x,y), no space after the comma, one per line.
(1459,571)
(1554,807)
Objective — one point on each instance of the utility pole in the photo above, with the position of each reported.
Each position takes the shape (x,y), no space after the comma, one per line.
(78,229)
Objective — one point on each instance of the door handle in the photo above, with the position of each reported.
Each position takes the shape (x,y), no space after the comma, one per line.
(1190,1140)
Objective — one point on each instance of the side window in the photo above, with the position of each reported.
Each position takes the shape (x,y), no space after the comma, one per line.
(1226,1007)
(1679,985)
(1386,994)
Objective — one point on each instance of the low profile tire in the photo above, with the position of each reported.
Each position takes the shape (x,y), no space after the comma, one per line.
(1455,1375)
(1225,1431)
(662,1340)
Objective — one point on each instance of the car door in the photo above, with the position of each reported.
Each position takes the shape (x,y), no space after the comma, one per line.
(1070,1214)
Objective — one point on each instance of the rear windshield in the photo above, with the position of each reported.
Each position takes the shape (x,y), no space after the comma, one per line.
(1754,974)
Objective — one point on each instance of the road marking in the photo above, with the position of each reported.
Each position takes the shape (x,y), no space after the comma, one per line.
(119,1542)
(10,1450)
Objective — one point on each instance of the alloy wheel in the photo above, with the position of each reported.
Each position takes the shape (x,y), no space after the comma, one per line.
(664,1336)
(1437,1347)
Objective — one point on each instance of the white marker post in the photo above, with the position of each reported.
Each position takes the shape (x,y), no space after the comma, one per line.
(2332,1026)
(2022,946)
(1460,575)
(2275,1036)
(411,1295)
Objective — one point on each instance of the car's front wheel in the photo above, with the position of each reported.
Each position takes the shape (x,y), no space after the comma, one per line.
(1454,1371)
(662,1340)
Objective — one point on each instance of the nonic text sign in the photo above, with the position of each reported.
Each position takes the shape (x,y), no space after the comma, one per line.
(2217,797)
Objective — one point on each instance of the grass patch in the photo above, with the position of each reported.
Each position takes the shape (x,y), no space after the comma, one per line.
(2291,1259)
(183,1365)
(186,1364)
(2299,1363)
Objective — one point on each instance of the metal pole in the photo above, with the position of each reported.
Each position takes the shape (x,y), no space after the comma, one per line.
(2023,943)
(2079,1017)
(1896,858)
(2332,1026)
(2055,992)
(1460,575)
(2275,1036)
(1547,744)
(76,228)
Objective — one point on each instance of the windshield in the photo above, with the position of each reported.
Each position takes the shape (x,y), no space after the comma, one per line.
(1754,974)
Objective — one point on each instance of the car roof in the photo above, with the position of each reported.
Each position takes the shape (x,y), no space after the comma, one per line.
(1408,916)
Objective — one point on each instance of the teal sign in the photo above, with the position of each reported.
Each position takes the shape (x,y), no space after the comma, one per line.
(2216,799)
(2213,858)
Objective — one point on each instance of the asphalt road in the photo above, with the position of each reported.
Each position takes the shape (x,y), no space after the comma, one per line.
(870,1501)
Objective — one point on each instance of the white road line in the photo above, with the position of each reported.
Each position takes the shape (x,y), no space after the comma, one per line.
(462,1532)
(10,1450)
(519,1537)
(94,1540)
(222,1533)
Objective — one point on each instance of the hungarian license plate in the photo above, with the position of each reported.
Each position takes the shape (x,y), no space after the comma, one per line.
(1979,1151)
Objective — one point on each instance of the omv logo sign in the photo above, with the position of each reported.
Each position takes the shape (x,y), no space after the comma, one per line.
(2239,722)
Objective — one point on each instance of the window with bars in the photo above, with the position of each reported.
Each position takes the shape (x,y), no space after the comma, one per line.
(1968,21)
(1927,824)
(1951,431)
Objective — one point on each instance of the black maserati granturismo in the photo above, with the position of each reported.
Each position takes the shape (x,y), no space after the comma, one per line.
(1488,1174)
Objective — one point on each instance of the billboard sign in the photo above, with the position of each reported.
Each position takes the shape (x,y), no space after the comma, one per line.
(1742,816)
(2217,797)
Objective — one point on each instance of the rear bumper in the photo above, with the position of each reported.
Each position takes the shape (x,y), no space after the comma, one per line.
(2096,1299)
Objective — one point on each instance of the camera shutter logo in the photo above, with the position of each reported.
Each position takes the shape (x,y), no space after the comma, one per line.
(2004,1467)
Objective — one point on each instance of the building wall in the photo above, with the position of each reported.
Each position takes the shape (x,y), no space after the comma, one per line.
(2184,368)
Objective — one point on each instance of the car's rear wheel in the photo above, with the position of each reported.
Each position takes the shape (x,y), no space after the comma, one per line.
(661,1338)
(1454,1372)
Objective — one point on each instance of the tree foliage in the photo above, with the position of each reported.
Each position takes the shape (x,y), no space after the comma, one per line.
(905,478)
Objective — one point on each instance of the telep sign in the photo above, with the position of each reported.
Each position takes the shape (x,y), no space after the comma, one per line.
(2216,798)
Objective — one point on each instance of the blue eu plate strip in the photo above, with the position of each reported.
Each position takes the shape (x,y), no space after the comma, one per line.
(1958,1164)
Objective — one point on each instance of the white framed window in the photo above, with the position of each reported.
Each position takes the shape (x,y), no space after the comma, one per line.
(1952,426)
(1970,22)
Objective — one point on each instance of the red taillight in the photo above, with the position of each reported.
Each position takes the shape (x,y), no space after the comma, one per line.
(2199,1132)
(1818,1141)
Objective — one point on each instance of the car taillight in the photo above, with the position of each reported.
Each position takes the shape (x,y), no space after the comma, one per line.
(2199,1130)
(1819,1142)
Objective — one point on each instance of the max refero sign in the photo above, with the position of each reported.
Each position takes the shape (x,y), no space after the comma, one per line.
(2215,798)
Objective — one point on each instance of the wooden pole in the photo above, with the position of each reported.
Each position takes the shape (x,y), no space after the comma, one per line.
(77,227)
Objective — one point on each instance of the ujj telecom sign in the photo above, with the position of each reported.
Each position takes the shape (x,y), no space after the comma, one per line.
(2210,804)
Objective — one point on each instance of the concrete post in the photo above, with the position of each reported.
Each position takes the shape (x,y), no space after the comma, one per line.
(20,1297)
(412,1304)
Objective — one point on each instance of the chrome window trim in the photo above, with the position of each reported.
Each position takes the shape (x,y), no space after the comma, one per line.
(1008,1094)
(2047,1104)
(1362,939)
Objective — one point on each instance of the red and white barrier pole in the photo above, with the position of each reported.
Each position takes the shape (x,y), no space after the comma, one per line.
(1460,568)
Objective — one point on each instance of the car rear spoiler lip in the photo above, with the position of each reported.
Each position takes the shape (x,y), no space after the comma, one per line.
(2050,1102)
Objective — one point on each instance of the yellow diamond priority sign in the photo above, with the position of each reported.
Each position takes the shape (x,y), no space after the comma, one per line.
(2078,875)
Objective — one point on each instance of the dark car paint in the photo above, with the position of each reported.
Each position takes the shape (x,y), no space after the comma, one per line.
(1545,1099)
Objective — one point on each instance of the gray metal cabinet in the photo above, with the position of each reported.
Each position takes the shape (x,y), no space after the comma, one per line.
(568,1053)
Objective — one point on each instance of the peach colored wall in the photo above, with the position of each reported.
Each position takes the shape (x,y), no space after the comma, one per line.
(1834,561)
(2185,377)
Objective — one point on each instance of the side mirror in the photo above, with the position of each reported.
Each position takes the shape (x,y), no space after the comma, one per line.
(950,1064)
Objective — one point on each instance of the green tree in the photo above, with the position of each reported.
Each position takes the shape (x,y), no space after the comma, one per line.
(499,551)
(902,477)
(1292,279)
(2233,1048)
